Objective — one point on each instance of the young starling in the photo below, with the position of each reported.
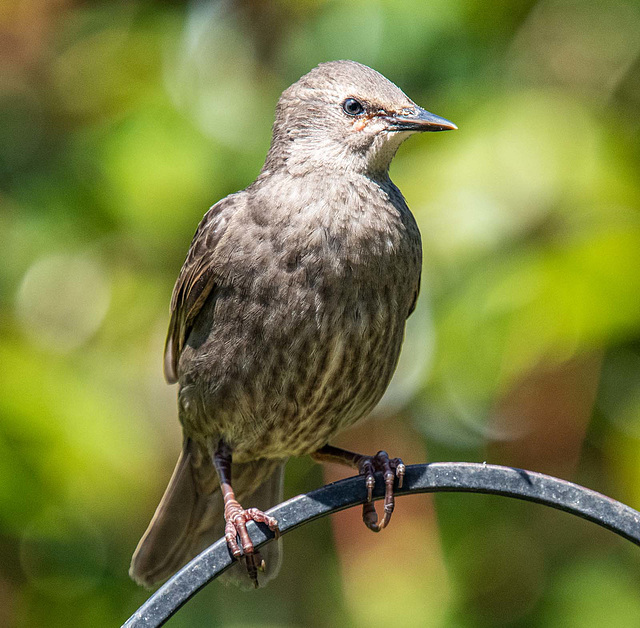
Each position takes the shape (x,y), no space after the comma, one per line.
(288,316)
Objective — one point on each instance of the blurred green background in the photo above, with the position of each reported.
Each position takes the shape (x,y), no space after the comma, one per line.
(122,122)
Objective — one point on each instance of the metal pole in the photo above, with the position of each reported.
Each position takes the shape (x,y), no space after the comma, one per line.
(421,478)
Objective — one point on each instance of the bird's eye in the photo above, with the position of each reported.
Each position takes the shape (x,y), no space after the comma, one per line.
(352,107)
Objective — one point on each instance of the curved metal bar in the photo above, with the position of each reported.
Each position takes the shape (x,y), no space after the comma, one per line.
(422,478)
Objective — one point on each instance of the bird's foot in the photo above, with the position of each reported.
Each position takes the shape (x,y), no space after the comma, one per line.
(391,468)
(235,529)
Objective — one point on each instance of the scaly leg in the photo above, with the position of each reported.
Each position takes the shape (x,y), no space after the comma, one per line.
(367,466)
(236,517)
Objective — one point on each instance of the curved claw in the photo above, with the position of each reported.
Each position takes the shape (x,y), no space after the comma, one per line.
(370,517)
(392,469)
(236,528)
(254,563)
(400,470)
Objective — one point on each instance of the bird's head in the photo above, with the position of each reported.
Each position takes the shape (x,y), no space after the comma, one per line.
(343,115)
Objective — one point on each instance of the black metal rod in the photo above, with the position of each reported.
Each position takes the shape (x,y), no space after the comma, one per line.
(421,478)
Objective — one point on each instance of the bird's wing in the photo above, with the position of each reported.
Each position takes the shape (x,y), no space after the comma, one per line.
(415,296)
(196,281)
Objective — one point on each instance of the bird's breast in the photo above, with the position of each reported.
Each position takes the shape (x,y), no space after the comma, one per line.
(306,333)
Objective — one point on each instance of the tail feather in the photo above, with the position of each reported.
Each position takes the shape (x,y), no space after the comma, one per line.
(169,540)
(191,516)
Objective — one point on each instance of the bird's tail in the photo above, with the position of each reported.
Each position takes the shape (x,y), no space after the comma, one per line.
(190,517)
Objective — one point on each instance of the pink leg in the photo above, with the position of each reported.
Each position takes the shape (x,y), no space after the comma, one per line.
(237,517)
(391,468)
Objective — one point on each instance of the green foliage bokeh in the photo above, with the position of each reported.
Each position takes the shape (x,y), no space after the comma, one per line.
(122,122)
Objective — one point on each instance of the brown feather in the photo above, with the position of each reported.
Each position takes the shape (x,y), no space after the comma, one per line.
(195,283)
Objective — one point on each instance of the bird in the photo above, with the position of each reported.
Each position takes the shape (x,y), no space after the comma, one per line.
(287,319)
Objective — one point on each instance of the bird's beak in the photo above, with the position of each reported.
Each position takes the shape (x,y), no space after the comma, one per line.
(419,120)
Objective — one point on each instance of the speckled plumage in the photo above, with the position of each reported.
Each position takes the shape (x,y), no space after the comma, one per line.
(288,315)
(302,334)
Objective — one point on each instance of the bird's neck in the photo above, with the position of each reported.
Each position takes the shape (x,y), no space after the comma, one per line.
(324,183)
(306,156)
(328,198)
